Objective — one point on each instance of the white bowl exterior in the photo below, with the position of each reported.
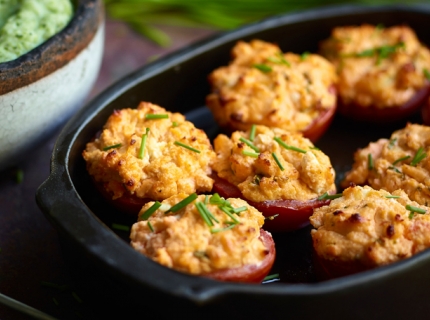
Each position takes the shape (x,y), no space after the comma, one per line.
(30,113)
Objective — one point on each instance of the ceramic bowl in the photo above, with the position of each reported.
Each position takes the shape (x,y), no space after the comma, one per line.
(113,277)
(41,89)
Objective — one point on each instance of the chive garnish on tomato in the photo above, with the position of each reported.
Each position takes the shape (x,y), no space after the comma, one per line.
(369,161)
(249,144)
(183,203)
(203,214)
(183,145)
(239,210)
(216,230)
(394,169)
(392,197)
(426,74)
(115,146)
(149,212)
(420,155)
(327,196)
(271,277)
(252,133)
(415,209)
(120,227)
(143,144)
(250,154)
(150,226)
(304,55)
(262,67)
(400,160)
(279,59)
(152,116)
(226,210)
(286,146)
(277,161)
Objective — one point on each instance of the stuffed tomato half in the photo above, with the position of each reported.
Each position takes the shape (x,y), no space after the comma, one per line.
(280,173)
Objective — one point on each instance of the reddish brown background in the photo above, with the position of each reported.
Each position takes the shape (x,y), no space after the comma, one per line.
(29,249)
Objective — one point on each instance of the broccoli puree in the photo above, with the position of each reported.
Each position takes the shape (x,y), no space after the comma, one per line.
(25,24)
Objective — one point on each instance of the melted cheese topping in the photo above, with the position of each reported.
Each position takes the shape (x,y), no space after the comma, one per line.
(370,227)
(290,96)
(379,67)
(305,175)
(165,169)
(393,163)
(183,241)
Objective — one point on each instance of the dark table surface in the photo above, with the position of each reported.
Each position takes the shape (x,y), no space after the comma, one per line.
(32,269)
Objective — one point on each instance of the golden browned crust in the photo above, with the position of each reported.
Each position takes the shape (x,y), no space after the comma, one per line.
(366,228)
(183,241)
(377,67)
(305,176)
(290,96)
(393,166)
(164,170)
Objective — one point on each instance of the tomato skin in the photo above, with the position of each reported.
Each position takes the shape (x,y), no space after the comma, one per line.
(385,115)
(127,203)
(249,273)
(320,125)
(292,214)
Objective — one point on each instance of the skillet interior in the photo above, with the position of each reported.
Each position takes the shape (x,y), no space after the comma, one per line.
(109,271)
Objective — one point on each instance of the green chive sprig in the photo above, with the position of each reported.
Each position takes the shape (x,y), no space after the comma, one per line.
(250,154)
(286,146)
(426,74)
(262,67)
(271,277)
(420,155)
(115,146)
(249,144)
(216,230)
(203,213)
(252,133)
(401,159)
(277,161)
(394,169)
(150,211)
(392,197)
(183,203)
(120,227)
(143,144)
(153,116)
(279,59)
(150,226)
(183,145)
(415,209)
(327,196)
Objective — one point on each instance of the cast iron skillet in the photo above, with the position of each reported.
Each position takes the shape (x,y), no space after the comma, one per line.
(113,276)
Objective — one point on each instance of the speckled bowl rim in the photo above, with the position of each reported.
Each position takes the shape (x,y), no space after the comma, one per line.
(55,52)
(62,205)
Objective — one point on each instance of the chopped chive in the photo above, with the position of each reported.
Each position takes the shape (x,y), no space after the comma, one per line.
(227,212)
(400,159)
(240,209)
(77,298)
(143,143)
(314,148)
(262,67)
(271,277)
(150,226)
(411,215)
(206,199)
(369,161)
(415,209)
(174,124)
(280,59)
(250,154)
(151,116)
(304,55)
(249,144)
(19,176)
(186,201)
(426,74)
(392,142)
(252,133)
(150,211)
(420,155)
(216,230)
(200,254)
(216,199)
(392,197)
(277,161)
(186,146)
(203,214)
(394,169)
(208,212)
(257,179)
(120,227)
(271,217)
(327,196)
(115,146)
(286,146)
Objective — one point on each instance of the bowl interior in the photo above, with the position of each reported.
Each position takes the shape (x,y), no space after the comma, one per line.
(178,82)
